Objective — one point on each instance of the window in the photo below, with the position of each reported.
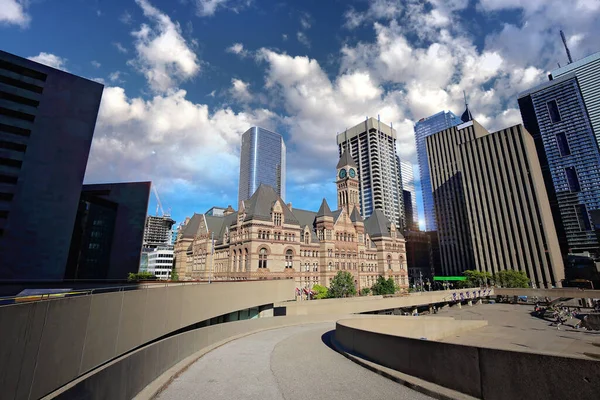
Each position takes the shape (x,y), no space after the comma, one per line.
(330,267)
(262,258)
(583,218)
(289,258)
(572,179)
(277,219)
(306,241)
(553,111)
(563,144)
(389,262)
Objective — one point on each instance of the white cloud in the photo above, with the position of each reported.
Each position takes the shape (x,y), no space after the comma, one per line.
(239,90)
(125,18)
(163,55)
(169,140)
(120,47)
(12,12)
(305,20)
(206,8)
(99,80)
(284,37)
(96,64)
(50,60)
(302,38)
(115,77)
(237,48)
(378,9)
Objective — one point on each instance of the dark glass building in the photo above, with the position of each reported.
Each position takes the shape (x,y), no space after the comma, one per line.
(47,120)
(109,231)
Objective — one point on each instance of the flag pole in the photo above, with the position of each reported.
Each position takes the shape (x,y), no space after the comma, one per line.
(212,258)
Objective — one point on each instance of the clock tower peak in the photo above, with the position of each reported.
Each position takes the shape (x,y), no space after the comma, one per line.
(347,183)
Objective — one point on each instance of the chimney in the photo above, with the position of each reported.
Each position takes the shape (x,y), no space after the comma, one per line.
(289,205)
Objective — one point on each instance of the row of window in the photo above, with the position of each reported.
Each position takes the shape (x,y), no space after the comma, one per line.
(266,235)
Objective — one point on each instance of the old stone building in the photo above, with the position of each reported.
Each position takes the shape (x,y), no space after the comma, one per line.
(268,239)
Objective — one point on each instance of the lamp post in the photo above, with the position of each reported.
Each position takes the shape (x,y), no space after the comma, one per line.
(212,256)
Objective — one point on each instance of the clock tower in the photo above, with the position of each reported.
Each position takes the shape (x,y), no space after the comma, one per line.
(347,183)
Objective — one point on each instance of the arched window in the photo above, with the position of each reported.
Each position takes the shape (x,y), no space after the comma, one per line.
(306,237)
(240,261)
(389,261)
(262,258)
(289,258)
(246,260)
(330,266)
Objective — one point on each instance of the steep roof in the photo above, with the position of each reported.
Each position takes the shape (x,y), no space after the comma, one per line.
(324,210)
(306,218)
(336,214)
(346,159)
(355,216)
(191,228)
(377,225)
(225,221)
(259,205)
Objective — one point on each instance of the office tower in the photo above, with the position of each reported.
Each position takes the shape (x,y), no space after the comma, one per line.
(372,145)
(160,262)
(419,257)
(564,120)
(262,161)
(47,120)
(509,216)
(109,231)
(411,214)
(423,128)
(158,231)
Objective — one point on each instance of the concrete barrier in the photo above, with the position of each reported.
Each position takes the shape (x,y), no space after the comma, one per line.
(46,344)
(355,305)
(128,375)
(551,293)
(480,372)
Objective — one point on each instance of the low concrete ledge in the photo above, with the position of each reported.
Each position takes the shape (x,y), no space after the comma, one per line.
(479,372)
(143,372)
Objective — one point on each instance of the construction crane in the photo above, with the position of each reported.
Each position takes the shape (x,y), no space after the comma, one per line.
(158,203)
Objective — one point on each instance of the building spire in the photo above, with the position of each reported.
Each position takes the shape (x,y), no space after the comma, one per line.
(466,116)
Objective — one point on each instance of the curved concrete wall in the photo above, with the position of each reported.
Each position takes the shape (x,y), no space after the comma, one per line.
(480,372)
(47,344)
(551,293)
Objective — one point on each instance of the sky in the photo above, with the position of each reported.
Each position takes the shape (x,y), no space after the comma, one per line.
(185,78)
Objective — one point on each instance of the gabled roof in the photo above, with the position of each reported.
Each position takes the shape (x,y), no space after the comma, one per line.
(355,216)
(346,159)
(377,225)
(260,204)
(307,219)
(336,214)
(225,222)
(191,228)
(324,210)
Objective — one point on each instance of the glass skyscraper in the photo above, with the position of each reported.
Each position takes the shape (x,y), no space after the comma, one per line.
(423,128)
(262,161)
(563,116)
(410,197)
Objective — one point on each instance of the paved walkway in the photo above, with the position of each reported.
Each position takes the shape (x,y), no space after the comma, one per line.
(512,327)
(282,364)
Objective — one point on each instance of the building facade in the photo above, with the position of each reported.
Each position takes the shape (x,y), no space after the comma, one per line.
(419,257)
(411,214)
(424,128)
(160,262)
(508,211)
(158,231)
(372,146)
(47,120)
(268,239)
(559,119)
(108,232)
(262,161)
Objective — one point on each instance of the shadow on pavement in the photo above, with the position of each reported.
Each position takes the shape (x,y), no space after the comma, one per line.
(327,337)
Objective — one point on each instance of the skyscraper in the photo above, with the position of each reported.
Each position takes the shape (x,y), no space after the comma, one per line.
(47,120)
(262,160)
(410,196)
(563,116)
(372,145)
(423,128)
(158,231)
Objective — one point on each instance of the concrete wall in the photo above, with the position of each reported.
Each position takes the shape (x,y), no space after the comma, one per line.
(552,293)
(46,344)
(126,376)
(374,303)
(481,372)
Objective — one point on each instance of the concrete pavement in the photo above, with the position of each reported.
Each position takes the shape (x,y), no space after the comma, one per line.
(287,363)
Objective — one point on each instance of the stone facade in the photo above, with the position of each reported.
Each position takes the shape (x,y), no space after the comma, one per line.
(268,239)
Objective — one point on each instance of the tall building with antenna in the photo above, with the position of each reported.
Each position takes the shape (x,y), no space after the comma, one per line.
(372,145)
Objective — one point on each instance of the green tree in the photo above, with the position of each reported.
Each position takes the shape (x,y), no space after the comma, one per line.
(476,278)
(174,275)
(342,285)
(141,276)
(384,286)
(512,279)
(321,292)
(365,291)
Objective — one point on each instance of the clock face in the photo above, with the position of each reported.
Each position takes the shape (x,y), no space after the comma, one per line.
(342,173)
(352,173)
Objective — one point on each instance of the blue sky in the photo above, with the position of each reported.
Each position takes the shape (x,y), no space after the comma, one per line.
(184,79)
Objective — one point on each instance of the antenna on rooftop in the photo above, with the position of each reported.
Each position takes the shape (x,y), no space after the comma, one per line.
(562,35)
